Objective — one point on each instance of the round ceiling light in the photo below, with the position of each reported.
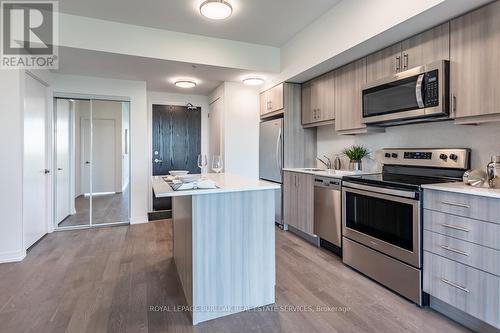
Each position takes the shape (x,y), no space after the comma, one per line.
(185,84)
(253,81)
(216,9)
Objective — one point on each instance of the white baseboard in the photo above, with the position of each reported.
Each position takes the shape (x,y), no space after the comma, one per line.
(139,220)
(14,256)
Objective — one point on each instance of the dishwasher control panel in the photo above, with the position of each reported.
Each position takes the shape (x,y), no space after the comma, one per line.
(327,182)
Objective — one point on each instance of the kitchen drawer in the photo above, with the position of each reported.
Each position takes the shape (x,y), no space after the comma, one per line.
(465,288)
(473,206)
(474,255)
(474,231)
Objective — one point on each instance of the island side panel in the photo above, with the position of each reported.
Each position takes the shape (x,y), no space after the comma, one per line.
(182,235)
(233,253)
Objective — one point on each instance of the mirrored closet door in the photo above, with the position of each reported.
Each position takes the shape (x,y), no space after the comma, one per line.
(92,159)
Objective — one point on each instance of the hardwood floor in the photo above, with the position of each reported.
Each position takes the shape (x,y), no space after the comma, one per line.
(106,280)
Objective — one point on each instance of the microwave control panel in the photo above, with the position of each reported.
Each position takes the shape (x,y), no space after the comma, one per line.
(431,88)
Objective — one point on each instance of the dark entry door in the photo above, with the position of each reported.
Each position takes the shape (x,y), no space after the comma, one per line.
(176,143)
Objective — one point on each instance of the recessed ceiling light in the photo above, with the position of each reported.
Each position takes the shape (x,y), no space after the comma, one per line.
(216,9)
(253,81)
(185,84)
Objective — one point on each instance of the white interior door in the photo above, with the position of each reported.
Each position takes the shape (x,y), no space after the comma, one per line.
(35,162)
(103,156)
(63,153)
(86,151)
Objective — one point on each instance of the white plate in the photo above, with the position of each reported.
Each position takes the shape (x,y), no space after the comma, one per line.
(178,172)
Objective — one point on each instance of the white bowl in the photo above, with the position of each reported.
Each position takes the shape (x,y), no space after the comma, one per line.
(178,172)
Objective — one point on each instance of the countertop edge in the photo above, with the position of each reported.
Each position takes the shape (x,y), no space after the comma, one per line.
(327,175)
(464,189)
(216,191)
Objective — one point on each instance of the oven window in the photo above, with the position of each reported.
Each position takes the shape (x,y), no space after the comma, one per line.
(391,97)
(389,221)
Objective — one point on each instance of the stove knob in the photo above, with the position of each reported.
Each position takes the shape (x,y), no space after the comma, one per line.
(453,157)
(387,155)
(444,157)
(394,155)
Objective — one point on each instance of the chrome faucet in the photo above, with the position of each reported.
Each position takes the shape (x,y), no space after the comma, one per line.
(328,164)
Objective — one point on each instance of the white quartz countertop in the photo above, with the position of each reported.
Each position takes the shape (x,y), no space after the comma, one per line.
(225,182)
(460,187)
(329,173)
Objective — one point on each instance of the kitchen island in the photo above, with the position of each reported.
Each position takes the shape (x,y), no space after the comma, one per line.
(224,244)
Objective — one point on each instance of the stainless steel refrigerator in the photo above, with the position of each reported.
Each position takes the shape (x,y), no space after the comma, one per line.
(271,158)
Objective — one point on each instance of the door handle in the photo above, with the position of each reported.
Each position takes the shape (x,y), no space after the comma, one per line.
(46,171)
(278,142)
(418,91)
(398,63)
(158,161)
(456,285)
(87,162)
(455,204)
(59,169)
(405,61)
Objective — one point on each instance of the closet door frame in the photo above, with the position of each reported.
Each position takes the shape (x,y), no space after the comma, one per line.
(91,98)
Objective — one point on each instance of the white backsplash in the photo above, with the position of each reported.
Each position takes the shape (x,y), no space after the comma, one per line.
(484,140)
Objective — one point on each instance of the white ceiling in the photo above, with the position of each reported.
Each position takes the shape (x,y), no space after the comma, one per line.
(267,22)
(158,74)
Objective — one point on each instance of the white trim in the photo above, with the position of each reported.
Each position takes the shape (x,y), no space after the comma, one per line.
(91,97)
(139,220)
(13,256)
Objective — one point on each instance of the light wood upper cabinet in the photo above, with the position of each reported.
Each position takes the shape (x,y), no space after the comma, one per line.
(349,81)
(383,63)
(298,201)
(272,100)
(307,107)
(317,101)
(426,47)
(475,69)
(429,46)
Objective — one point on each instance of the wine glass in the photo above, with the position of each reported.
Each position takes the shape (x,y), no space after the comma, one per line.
(202,161)
(217,164)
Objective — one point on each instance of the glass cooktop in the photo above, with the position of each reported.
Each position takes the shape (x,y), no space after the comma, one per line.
(399,180)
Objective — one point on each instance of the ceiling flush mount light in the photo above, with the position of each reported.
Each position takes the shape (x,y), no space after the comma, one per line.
(185,84)
(253,81)
(216,9)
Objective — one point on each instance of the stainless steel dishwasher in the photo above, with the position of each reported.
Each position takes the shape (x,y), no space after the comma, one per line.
(328,213)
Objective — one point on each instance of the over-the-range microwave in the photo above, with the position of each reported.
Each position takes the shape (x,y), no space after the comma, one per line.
(416,95)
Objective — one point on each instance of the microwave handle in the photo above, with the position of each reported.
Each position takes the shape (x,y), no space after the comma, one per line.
(418,91)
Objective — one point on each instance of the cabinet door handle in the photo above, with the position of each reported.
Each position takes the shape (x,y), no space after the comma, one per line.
(450,226)
(454,104)
(455,285)
(398,63)
(405,61)
(455,204)
(319,114)
(447,248)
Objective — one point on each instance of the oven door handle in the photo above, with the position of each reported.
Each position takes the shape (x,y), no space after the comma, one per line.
(418,91)
(399,193)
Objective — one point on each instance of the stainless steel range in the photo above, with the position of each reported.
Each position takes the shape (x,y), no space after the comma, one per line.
(382,215)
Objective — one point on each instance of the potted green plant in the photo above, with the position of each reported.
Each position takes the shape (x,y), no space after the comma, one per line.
(355,155)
